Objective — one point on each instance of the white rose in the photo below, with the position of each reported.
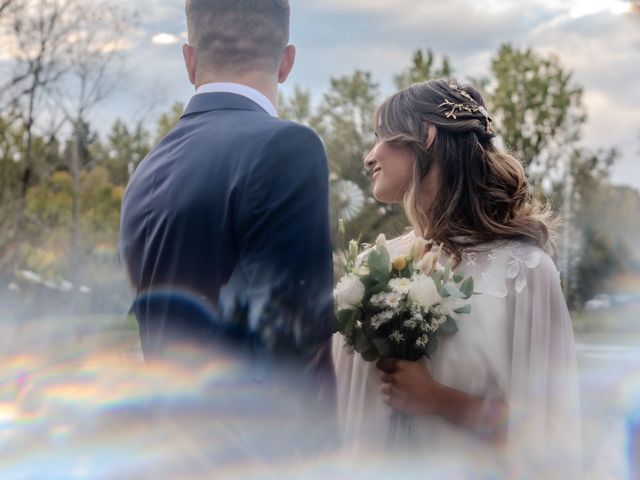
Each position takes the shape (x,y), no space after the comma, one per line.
(349,292)
(381,240)
(400,285)
(423,291)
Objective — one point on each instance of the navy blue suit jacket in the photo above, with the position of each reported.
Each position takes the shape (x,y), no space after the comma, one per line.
(225,234)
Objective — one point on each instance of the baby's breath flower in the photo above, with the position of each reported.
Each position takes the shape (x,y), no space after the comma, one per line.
(396,336)
(381,318)
(378,299)
(393,299)
(437,321)
(428,327)
(411,323)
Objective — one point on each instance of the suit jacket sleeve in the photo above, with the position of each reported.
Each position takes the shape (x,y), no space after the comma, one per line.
(285,246)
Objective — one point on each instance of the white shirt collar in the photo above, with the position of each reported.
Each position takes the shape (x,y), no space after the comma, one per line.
(239,89)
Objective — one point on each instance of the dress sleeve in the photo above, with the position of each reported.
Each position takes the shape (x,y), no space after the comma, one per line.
(544,411)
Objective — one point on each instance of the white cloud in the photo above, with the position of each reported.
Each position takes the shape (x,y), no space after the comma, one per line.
(334,37)
(589,7)
(165,39)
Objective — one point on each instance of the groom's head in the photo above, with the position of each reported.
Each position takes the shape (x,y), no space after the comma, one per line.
(235,37)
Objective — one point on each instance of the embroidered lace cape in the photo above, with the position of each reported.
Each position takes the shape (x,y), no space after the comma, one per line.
(516,344)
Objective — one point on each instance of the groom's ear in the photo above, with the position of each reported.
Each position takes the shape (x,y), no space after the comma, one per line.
(189,54)
(286,64)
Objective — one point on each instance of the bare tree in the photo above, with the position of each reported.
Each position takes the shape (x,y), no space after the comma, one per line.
(94,70)
(4,5)
(36,40)
(62,52)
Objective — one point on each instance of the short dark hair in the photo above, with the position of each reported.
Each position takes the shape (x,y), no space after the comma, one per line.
(238,35)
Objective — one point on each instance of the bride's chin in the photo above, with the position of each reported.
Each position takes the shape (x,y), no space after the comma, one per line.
(382,198)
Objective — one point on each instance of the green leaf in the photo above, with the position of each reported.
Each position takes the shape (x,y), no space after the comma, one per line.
(379,266)
(373,286)
(346,321)
(452,291)
(370,355)
(385,257)
(458,277)
(467,287)
(446,274)
(437,278)
(408,270)
(432,346)
(361,342)
(449,327)
(339,321)
(382,346)
(464,309)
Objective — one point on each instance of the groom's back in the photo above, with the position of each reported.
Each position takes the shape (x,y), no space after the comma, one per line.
(213,207)
(225,236)
(177,222)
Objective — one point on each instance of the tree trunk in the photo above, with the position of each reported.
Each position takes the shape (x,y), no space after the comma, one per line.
(75,202)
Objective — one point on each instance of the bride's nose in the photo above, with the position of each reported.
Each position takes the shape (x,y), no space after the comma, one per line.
(369,159)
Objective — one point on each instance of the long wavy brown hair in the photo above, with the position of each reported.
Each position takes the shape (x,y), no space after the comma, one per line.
(483,193)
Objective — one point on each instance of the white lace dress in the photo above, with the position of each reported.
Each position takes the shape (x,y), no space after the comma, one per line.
(516,344)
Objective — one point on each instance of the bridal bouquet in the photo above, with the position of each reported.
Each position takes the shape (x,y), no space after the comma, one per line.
(397,307)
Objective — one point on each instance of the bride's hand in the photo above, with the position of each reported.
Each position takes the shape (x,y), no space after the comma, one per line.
(408,387)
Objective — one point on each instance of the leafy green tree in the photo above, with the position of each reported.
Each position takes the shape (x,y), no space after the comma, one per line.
(598,263)
(100,213)
(344,120)
(15,221)
(50,210)
(168,120)
(345,123)
(123,150)
(423,68)
(537,107)
(49,205)
(298,107)
(600,225)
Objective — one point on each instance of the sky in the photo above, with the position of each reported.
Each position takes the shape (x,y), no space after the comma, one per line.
(598,40)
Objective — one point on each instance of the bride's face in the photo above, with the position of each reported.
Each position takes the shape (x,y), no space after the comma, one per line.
(391,168)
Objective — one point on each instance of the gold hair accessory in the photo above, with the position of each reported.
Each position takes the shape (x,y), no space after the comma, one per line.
(471,107)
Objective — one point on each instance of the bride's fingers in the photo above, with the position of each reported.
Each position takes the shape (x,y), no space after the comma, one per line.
(387,377)
(385,364)
(397,403)
(394,398)
(385,389)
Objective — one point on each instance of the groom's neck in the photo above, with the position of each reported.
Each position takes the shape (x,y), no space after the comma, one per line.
(265,83)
